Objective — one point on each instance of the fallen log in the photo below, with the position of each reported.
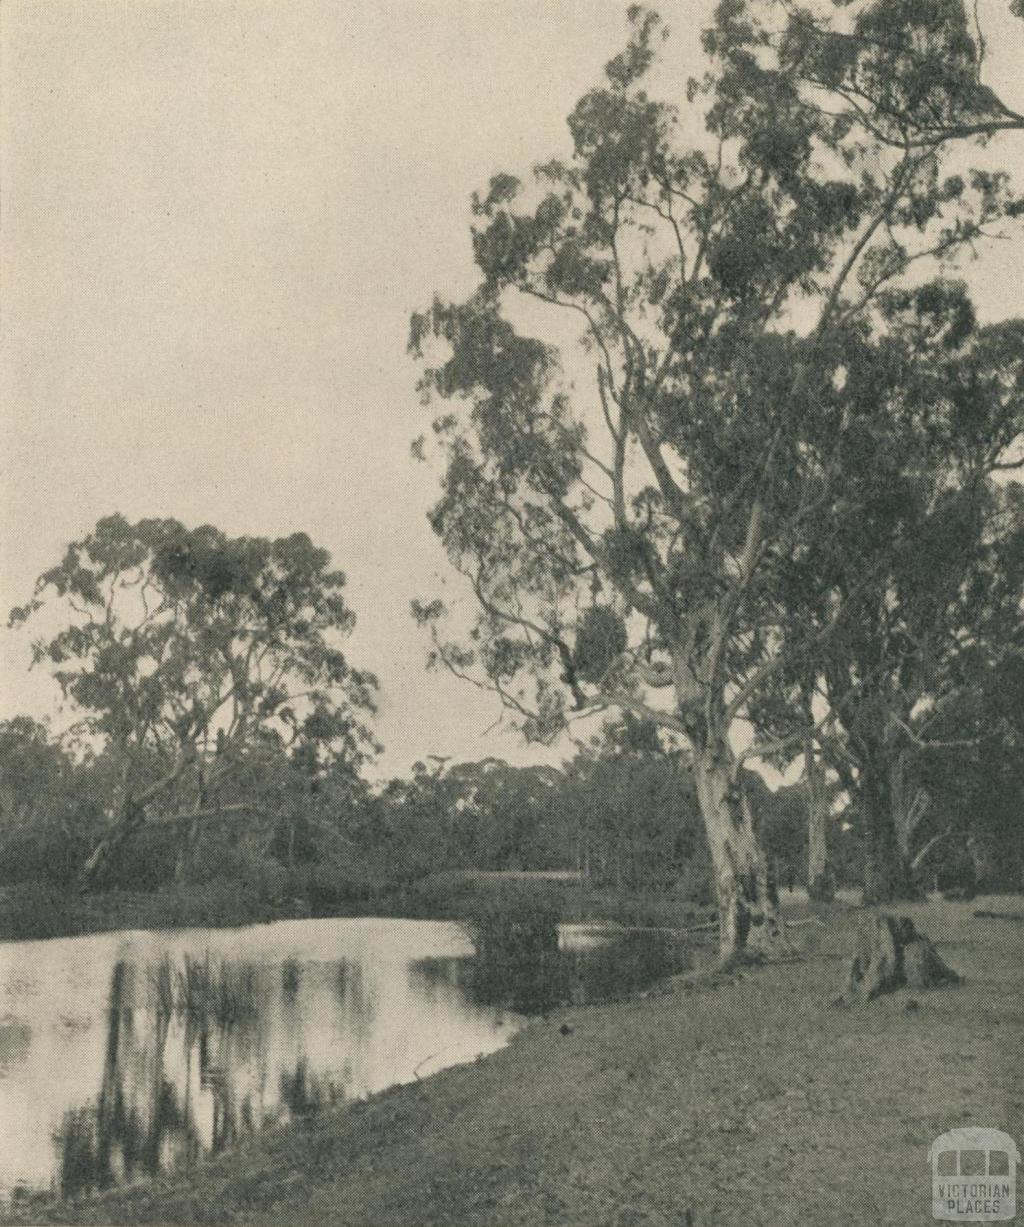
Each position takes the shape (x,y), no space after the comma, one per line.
(890,955)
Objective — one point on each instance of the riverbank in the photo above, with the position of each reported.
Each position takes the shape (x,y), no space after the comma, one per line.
(29,912)
(747,1102)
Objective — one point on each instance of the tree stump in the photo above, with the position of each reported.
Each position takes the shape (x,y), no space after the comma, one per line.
(923,967)
(891,954)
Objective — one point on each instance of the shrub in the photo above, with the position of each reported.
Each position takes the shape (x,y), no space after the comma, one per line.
(42,854)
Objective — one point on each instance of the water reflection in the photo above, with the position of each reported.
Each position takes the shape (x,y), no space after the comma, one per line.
(186,1070)
(534,971)
(124,1055)
(136,1053)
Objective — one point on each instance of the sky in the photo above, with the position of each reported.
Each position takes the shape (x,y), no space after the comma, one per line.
(216,219)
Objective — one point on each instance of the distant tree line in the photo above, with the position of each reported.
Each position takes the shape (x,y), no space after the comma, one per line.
(623,813)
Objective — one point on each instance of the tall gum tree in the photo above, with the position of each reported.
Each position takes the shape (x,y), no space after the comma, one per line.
(936,648)
(185,650)
(619,505)
(927,526)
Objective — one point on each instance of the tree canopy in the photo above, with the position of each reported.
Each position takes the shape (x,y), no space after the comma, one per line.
(623,514)
(188,653)
(921,554)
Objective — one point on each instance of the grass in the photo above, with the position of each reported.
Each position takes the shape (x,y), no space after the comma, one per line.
(747,1101)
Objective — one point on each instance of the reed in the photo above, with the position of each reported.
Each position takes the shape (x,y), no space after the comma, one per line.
(207,990)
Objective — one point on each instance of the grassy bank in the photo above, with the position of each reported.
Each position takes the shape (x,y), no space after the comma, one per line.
(747,1102)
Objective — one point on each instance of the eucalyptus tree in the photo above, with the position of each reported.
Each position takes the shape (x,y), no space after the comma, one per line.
(922,556)
(485,815)
(932,697)
(619,496)
(972,828)
(510,817)
(912,663)
(186,652)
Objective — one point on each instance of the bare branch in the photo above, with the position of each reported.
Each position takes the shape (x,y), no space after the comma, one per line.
(926,744)
(935,840)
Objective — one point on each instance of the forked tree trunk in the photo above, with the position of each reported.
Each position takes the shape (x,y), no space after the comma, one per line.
(131,819)
(747,909)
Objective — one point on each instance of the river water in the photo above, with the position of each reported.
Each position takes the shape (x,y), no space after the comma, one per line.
(126,1054)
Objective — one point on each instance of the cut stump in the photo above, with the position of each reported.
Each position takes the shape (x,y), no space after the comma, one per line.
(891,954)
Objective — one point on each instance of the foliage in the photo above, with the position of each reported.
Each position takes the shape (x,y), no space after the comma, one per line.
(478,815)
(971,834)
(52,804)
(192,656)
(622,812)
(741,299)
(910,592)
(636,821)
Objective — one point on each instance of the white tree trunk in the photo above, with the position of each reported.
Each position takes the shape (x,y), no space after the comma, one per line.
(748,915)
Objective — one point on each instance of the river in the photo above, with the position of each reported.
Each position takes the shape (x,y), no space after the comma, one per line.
(127,1054)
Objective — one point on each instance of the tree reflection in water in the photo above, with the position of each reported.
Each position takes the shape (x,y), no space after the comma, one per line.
(168,1055)
(530,972)
(202,1051)
(304,1091)
(185,1071)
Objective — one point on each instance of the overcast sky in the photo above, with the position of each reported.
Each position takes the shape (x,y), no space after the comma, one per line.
(216,220)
